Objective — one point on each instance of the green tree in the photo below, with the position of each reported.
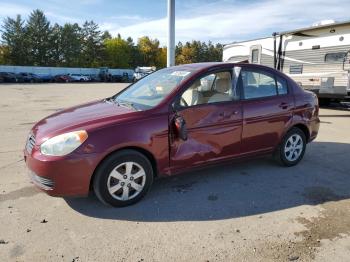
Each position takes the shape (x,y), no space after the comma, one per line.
(4,54)
(55,51)
(92,44)
(197,51)
(135,55)
(118,53)
(70,45)
(38,35)
(106,35)
(161,57)
(149,50)
(14,38)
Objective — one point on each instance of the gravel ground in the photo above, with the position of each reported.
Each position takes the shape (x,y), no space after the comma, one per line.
(250,211)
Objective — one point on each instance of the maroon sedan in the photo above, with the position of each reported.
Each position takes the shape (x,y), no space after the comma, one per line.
(171,121)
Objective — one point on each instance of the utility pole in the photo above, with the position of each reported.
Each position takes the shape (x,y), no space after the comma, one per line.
(171,34)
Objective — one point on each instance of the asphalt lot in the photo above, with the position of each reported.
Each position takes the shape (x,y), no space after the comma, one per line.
(250,211)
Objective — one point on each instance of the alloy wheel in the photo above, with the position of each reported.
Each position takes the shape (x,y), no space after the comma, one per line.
(293,147)
(126,181)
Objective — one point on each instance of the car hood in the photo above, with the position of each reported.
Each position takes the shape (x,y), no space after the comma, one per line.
(86,116)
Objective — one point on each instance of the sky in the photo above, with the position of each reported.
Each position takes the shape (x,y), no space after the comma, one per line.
(222,21)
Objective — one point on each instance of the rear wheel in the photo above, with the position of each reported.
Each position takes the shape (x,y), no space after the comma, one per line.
(123,178)
(292,147)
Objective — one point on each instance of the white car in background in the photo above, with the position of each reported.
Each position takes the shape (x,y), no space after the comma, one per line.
(142,71)
(79,77)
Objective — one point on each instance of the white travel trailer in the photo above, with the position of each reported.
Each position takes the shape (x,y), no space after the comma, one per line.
(316,57)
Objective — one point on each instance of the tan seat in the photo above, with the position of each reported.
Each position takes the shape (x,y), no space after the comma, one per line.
(222,86)
(191,95)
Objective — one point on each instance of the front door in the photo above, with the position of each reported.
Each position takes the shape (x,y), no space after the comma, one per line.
(213,121)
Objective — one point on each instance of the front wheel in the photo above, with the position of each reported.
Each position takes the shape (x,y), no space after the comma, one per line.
(292,147)
(123,178)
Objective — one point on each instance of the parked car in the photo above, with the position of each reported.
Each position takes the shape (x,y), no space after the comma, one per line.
(116,78)
(1,79)
(169,122)
(30,78)
(9,77)
(47,78)
(79,77)
(63,79)
(20,78)
(142,71)
(94,78)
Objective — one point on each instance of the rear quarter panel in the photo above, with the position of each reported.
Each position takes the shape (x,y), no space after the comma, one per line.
(306,110)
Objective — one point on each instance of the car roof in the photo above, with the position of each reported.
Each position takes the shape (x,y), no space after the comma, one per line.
(217,65)
(199,66)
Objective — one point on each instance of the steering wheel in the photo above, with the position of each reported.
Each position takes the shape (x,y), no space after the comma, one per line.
(183,101)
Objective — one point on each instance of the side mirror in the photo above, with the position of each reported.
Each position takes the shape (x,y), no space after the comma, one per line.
(180,127)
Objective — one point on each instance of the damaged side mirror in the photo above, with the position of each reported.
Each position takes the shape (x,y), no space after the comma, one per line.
(180,128)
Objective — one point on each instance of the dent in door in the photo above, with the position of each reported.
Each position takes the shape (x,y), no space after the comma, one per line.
(209,136)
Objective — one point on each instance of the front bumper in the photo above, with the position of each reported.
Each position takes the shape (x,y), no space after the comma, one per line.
(61,176)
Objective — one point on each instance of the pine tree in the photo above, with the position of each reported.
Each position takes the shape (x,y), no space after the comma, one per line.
(38,36)
(92,44)
(15,40)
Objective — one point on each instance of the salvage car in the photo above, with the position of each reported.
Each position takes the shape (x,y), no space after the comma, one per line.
(79,77)
(63,79)
(30,78)
(9,77)
(171,121)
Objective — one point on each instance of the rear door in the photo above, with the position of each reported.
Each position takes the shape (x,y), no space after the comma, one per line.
(213,121)
(267,109)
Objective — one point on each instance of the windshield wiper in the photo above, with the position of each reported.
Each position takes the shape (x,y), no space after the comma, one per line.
(111,100)
(127,104)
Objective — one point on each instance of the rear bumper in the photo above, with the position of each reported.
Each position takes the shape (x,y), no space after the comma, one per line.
(314,126)
(61,176)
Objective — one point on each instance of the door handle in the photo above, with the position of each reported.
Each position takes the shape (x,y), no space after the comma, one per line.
(284,105)
(227,115)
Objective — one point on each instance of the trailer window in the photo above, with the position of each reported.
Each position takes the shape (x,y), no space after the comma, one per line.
(335,57)
(255,56)
(295,69)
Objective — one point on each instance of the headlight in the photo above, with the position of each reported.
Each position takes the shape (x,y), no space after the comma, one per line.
(63,144)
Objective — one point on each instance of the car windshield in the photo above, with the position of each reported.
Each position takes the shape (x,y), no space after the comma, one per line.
(152,89)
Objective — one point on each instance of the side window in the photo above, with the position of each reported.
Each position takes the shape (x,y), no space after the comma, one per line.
(211,88)
(282,87)
(335,57)
(255,56)
(257,84)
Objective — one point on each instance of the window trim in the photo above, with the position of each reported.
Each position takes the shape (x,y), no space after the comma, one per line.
(176,101)
(263,71)
(278,94)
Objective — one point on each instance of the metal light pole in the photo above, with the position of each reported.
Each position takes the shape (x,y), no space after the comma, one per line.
(171,33)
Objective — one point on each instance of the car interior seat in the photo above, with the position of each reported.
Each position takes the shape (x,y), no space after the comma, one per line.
(223,88)
(192,96)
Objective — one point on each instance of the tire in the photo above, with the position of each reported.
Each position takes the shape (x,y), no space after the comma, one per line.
(113,183)
(296,151)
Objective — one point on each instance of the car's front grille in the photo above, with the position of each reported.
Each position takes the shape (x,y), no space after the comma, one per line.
(42,182)
(30,143)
